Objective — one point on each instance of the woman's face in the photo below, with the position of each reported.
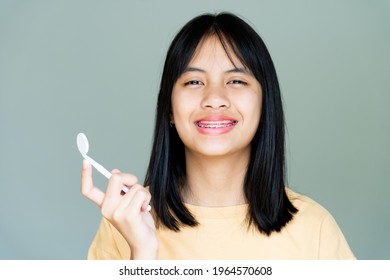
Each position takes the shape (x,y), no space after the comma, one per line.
(216,106)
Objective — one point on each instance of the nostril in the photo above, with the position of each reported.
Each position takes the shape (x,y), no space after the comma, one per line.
(215,105)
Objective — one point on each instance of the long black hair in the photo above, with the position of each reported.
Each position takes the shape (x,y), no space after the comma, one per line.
(264,183)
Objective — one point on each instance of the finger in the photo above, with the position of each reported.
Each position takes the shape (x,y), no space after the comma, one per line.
(146,201)
(113,195)
(146,206)
(130,207)
(137,198)
(87,188)
(115,171)
(139,202)
(116,183)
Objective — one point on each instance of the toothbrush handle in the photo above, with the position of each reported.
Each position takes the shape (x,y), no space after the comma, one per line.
(98,167)
(107,174)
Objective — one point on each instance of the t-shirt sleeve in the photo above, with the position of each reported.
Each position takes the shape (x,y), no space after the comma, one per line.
(108,244)
(333,245)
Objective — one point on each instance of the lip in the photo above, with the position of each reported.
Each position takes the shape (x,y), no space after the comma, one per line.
(215,125)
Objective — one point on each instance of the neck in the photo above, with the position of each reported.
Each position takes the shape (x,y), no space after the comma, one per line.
(215,181)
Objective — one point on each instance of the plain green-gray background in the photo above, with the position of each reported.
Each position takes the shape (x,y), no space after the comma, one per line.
(94,66)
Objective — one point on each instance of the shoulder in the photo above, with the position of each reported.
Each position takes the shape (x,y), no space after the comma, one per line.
(311,215)
(306,206)
(315,222)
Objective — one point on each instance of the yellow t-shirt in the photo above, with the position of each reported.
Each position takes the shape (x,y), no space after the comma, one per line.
(223,233)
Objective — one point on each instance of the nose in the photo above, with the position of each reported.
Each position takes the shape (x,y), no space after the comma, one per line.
(215,98)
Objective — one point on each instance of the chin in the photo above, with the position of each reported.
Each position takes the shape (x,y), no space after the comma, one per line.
(217,151)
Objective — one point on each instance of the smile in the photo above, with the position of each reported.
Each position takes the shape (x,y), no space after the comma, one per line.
(215,124)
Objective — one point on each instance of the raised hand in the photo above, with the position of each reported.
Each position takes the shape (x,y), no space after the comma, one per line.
(127,213)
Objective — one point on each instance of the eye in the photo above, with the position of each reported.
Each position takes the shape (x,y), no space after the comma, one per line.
(193,83)
(237,82)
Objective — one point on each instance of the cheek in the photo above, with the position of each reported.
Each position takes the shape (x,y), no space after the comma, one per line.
(257,104)
(181,112)
(181,116)
(250,108)
(175,105)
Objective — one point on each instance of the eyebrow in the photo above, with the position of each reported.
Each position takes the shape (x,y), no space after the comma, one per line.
(234,70)
(193,69)
(239,70)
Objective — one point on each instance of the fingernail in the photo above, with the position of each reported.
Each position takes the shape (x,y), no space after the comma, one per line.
(85,164)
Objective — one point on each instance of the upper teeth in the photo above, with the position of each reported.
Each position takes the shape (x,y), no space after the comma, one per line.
(215,124)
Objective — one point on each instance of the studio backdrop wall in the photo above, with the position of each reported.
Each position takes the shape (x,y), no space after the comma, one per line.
(94,67)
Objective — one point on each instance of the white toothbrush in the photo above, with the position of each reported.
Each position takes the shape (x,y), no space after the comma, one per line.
(83,146)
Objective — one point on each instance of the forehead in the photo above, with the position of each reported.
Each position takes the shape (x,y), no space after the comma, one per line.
(211,48)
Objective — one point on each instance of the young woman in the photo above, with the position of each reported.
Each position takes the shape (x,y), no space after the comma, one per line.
(216,176)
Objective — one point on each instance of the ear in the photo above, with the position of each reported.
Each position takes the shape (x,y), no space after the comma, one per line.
(171,121)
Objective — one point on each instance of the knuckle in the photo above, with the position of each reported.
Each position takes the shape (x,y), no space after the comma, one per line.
(116,216)
(135,188)
(116,177)
(138,192)
(85,192)
(141,192)
(133,178)
(138,187)
(148,195)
